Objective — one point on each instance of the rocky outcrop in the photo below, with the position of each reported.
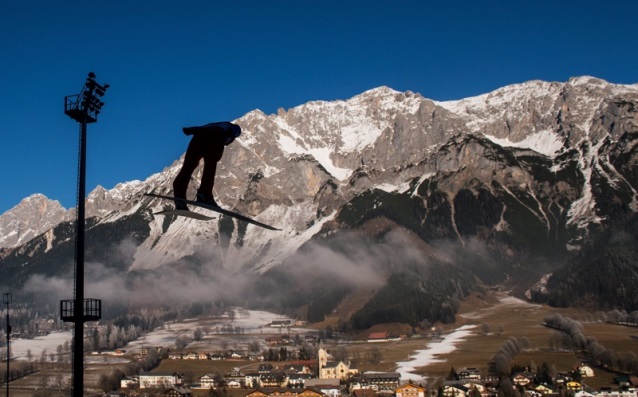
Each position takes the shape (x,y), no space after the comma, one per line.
(31,217)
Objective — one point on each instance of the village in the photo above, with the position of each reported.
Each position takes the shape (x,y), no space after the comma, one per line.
(261,354)
(284,372)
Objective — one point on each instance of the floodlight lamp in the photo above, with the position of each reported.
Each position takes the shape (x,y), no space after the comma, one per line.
(91,75)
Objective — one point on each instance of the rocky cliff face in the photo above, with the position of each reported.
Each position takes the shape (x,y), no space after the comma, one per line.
(528,170)
(30,218)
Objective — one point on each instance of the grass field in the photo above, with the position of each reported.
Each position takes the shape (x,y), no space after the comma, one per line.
(503,317)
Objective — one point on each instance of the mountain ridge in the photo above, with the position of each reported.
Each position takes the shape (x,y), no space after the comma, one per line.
(519,174)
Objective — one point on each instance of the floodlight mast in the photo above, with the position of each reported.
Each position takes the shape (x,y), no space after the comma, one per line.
(83,108)
(7,298)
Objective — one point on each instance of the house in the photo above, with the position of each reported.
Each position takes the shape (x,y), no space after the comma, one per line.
(383,380)
(178,392)
(175,356)
(360,382)
(280,324)
(409,390)
(327,387)
(191,356)
(296,369)
(573,385)
(273,379)
(251,380)
(235,372)
(235,378)
(622,392)
(468,373)
(160,380)
(481,388)
(522,379)
(378,337)
(208,381)
(144,350)
(544,389)
(298,380)
(128,382)
(585,371)
(203,356)
(454,390)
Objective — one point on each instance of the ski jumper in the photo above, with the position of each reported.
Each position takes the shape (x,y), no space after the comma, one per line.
(207,143)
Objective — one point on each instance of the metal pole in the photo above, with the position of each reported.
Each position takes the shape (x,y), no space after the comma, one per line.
(8,344)
(84,109)
(78,309)
(6,297)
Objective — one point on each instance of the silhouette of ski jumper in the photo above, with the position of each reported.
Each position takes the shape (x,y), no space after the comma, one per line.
(207,143)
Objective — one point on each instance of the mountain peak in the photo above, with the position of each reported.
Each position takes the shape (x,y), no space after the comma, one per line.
(33,216)
(590,80)
(378,91)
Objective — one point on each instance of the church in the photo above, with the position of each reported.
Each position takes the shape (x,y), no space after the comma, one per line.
(330,369)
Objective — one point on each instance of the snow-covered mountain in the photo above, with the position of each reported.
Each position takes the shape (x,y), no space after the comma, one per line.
(33,216)
(528,168)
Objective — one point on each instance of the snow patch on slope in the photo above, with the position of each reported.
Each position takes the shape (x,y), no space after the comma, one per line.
(340,128)
(294,144)
(544,142)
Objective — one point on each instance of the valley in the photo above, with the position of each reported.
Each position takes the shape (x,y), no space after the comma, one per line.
(483,324)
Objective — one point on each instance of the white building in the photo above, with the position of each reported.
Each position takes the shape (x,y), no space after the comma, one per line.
(160,380)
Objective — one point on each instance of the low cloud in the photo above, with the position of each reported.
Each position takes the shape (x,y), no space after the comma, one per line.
(351,260)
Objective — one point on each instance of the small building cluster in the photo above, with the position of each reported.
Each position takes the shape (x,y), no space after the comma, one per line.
(327,377)
(324,377)
(272,382)
(470,383)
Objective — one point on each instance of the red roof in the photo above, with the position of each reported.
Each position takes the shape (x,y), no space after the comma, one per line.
(378,335)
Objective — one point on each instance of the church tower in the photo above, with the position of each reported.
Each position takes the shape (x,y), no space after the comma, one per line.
(322,358)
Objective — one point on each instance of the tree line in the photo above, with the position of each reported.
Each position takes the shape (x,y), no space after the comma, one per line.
(571,337)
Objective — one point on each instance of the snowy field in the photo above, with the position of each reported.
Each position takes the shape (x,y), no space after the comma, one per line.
(250,321)
(510,301)
(50,343)
(430,354)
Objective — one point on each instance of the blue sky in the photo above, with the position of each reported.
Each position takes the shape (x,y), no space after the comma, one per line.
(177,63)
